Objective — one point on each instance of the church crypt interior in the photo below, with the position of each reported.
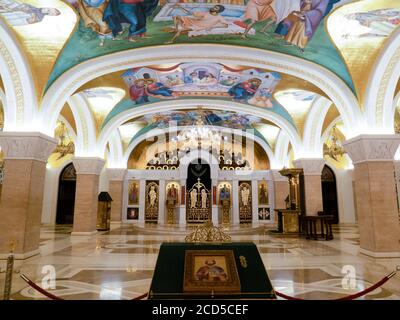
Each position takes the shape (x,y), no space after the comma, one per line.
(193,149)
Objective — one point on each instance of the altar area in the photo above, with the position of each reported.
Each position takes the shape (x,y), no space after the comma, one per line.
(198,191)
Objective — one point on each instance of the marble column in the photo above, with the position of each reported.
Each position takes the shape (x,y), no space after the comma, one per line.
(142,200)
(375,190)
(235,197)
(279,185)
(280,189)
(87,189)
(312,169)
(116,190)
(254,196)
(162,203)
(214,210)
(182,207)
(25,158)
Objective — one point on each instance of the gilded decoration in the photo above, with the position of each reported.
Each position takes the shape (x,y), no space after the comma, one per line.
(133,192)
(198,203)
(208,233)
(152,201)
(263,196)
(225,201)
(245,202)
(16,81)
(42,28)
(360,30)
(172,200)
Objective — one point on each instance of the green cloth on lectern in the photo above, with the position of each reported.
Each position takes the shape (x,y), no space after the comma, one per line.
(168,276)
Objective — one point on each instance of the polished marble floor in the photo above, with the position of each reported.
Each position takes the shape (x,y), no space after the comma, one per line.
(119,264)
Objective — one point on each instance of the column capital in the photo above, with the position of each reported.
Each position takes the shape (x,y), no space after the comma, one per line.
(116,174)
(274,175)
(310,166)
(88,165)
(27,145)
(372,147)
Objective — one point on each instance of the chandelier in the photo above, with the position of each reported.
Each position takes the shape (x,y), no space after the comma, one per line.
(397,127)
(65,145)
(200,132)
(335,148)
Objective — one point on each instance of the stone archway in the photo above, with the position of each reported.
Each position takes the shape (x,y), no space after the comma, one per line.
(66,195)
(329,193)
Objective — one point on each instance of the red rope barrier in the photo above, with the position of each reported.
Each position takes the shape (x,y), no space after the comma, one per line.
(350,297)
(54,297)
(141,297)
(41,290)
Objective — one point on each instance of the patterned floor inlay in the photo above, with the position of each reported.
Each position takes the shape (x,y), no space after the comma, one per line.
(119,264)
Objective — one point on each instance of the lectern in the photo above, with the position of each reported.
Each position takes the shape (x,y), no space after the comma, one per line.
(289,218)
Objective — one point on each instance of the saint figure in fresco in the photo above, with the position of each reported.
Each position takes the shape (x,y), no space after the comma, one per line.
(224,193)
(267,11)
(138,93)
(245,90)
(132,12)
(381,22)
(263,195)
(91,12)
(257,11)
(157,89)
(263,98)
(172,195)
(20,14)
(133,193)
(146,87)
(198,21)
(300,26)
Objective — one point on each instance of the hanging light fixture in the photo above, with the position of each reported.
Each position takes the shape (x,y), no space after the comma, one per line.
(65,145)
(335,148)
(200,131)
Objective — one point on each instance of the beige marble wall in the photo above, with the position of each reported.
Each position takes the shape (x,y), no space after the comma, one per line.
(377,207)
(281,191)
(86,201)
(116,192)
(21,205)
(313,194)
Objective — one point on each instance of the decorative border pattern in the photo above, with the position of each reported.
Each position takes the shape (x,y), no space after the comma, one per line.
(16,80)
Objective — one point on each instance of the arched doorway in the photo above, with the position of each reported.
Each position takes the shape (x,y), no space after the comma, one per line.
(198,184)
(66,195)
(329,193)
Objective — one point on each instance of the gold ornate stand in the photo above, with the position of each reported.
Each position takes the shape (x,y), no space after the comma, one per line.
(170,213)
(208,233)
(226,212)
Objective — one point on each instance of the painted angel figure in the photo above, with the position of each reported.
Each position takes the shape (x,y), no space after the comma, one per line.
(21,14)
(203,199)
(152,197)
(193,199)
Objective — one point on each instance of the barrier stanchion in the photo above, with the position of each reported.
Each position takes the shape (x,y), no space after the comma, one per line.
(353,296)
(9,272)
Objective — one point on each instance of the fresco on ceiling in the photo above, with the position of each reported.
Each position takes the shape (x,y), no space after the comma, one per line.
(204,80)
(297,95)
(295,27)
(374,23)
(17,13)
(212,117)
